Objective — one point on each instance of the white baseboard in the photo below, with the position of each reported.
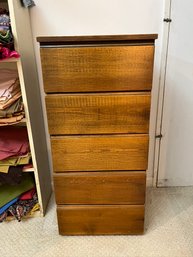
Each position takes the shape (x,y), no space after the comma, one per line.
(149,181)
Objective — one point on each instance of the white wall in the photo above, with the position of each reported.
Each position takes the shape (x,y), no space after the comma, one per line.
(89,17)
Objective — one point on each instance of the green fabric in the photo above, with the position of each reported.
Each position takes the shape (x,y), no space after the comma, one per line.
(6,38)
(8,193)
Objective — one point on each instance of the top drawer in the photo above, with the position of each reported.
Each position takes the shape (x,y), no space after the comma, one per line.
(97,68)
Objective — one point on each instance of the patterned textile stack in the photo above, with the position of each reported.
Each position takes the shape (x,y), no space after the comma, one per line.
(6,37)
(11,105)
(14,155)
(19,200)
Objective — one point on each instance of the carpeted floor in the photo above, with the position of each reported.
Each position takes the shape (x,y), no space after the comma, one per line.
(169,233)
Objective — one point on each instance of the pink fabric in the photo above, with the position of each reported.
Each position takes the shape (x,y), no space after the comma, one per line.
(13,142)
(28,195)
(27,166)
(6,53)
(8,82)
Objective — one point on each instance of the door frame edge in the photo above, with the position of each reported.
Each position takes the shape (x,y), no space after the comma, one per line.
(161,91)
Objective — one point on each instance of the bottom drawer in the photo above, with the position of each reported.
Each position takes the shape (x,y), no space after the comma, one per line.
(100,219)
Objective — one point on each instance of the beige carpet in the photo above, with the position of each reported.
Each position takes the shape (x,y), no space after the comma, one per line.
(169,223)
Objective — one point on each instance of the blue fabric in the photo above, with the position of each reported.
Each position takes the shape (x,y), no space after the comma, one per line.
(7,205)
(4,22)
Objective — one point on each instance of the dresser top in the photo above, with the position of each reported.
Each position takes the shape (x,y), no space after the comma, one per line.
(103,39)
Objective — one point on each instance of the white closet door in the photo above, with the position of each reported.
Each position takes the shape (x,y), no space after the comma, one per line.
(176,149)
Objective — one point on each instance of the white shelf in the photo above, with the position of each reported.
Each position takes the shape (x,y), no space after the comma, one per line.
(10,60)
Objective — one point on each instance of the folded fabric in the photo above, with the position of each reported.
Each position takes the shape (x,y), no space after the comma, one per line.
(14,161)
(8,77)
(4,169)
(8,192)
(9,83)
(3,216)
(28,195)
(28,167)
(13,177)
(5,98)
(3,11)
(12,97)
(6,53)
(14,109)
(3,32)
(21,208)
(35,208)
(13,142)
(9,102)
(7,205)
(5,21)
(13,114)
(6,37)
(12,120)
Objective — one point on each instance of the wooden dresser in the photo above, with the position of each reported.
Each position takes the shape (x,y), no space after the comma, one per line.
(98,96)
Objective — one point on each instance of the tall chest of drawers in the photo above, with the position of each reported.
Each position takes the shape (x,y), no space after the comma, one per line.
(98,96)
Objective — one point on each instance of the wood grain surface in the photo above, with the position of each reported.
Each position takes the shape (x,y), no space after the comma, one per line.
(99,153)
(100,219)
(98,113)
(94,69)
(98,106)
(100,187)
(108,39)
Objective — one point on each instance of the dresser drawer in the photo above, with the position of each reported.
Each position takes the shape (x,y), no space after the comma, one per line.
(100,188)
(98,113)
(97,68)
(99,153)
(100,219)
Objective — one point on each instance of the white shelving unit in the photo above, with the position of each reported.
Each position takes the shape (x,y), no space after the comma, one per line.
(28,76)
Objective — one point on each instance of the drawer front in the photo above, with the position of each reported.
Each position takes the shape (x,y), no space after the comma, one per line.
(100,219)
(95,69)
(99,153)
(100,188)
(98,113)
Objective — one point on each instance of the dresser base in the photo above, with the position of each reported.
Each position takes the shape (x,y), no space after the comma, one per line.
(100,219)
